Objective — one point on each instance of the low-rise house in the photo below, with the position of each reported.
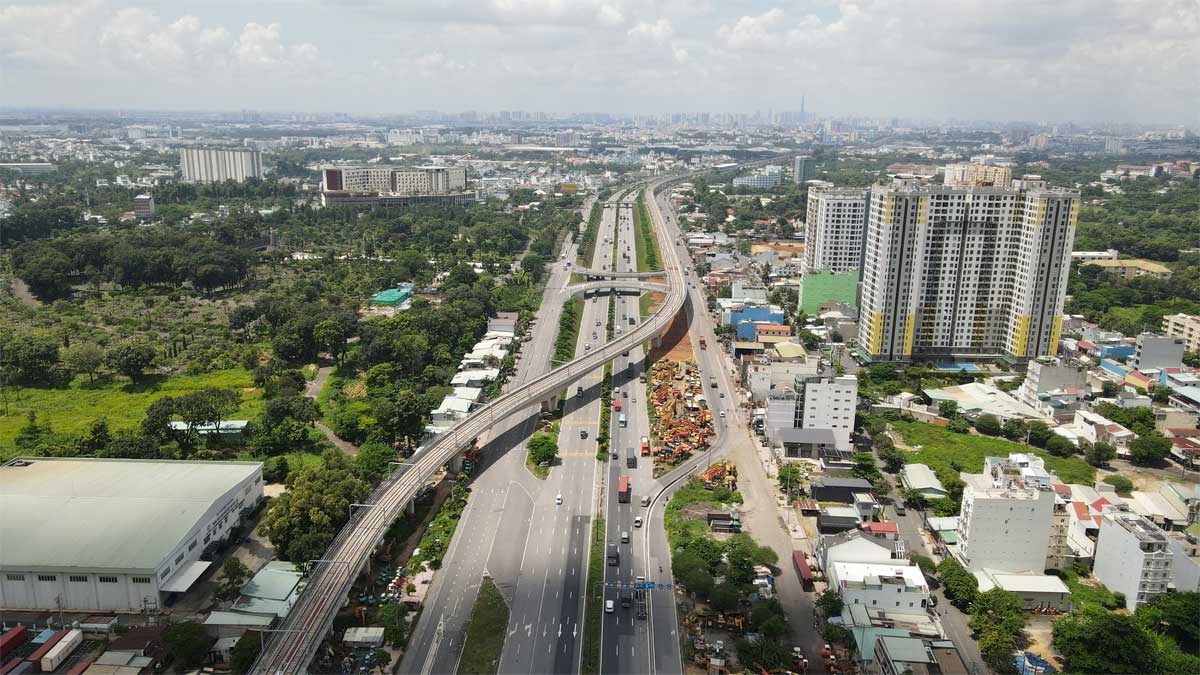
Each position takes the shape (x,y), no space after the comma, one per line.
(921,479)
(1095,428)
(886,586)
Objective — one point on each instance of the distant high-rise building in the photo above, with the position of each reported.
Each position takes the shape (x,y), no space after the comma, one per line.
(965,272)
(834,225)
(1114,145)
(394,185)
(964,175)
(1039,141)
(802,169)
(213,165)
(143,206)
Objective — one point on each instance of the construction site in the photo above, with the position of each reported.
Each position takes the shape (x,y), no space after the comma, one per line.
(680,419)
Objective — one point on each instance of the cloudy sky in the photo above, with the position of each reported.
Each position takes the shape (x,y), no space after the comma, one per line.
(1120,60)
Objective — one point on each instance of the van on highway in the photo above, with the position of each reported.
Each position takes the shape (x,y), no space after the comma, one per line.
(624,537)
(646,500)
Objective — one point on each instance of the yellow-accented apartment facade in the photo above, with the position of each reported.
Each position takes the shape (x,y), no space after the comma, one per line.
(965,272)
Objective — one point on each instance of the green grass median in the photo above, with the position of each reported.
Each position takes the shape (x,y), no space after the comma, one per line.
(485,633)
(593,611)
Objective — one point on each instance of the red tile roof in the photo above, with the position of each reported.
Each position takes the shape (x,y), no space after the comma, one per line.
(1081,510)
(883,528)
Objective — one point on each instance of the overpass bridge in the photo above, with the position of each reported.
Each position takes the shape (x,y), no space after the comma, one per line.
(294,644)
(617,275)
(596,286)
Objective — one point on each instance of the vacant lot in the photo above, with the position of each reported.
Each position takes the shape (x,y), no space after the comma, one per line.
(939,447)
(73,409)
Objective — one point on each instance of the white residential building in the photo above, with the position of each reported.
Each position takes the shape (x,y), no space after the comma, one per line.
(1050,374)
(394,180)
(859,547)
(1132,557)
(818,401)
(976,272)
(1095,428)
(834,226)
(1184,326)
(967,175)
(893,587)
(216,165)
(1006,518)
(1158,351)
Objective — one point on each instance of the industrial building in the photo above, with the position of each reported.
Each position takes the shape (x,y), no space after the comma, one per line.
(114,535)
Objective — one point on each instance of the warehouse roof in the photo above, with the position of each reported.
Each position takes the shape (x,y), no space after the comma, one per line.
(105,514)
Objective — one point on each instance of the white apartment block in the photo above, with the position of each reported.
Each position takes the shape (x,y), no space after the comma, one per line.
(976,272)
(834,225)
(891,587)
(1005,523)
(1184,326)
(967,175)
(213,165)
(392,180)
(1132,557)
(815,402)
(1158,351)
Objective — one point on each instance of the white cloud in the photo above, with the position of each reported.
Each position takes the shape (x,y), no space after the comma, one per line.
(1027,59)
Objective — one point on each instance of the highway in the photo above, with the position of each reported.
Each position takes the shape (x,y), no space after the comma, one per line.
(494,528)
(294,646)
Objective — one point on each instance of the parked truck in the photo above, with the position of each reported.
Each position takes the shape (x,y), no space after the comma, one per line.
(645,446)
(35,659)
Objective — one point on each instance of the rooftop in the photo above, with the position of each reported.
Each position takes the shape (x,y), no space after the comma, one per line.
(103,514)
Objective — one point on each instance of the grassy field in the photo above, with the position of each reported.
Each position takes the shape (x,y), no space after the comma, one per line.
(1082,593)
(646,246)
(74,408)
(587,245)
(594,606)
(939,446)
(485,634)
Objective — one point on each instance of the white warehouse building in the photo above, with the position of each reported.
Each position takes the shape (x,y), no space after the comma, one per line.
(114,535)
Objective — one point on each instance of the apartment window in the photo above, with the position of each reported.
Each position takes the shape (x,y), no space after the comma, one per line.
(47,577)
(163,574)
(140,580)
(192,545)
(79,579)
(108,580)
(179,559)
(15,577)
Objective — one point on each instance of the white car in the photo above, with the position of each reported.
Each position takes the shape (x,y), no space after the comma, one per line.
(637,522)
(558,500)
(608,606)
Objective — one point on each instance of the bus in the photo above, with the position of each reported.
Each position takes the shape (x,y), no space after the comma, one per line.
(623,422)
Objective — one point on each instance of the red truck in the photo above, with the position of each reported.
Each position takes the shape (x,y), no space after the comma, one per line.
(617,406)
(645,446)
(623,491)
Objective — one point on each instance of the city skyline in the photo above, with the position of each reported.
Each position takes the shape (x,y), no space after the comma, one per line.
(1084,61)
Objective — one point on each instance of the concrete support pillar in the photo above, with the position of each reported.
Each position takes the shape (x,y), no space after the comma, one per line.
(411,509)
(551,404)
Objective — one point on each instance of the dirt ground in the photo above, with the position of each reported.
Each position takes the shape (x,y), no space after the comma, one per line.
(1038,631)
(676,343)
(780,247)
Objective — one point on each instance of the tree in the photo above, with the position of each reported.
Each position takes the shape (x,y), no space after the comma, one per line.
(1014,429)
(948,409)
(381,658)
(392,618)
(331,335)
(988,425)
(1093,640)
(372,460)
(829,603)
(997,609)
(893,459)
(234,574)
(928,567)
(243,654)
(1120,483)
(303,521)
(1059,446)
(542,448)
(790,478)
(959,425)
(1100,454)
(29,359)
(187,644)
(1149,449)
(84,357)
(207,407)
(723,598)
(960,584)
(1178,612)
(1039,433)
(769,654)
(997,648)
(864,466)
(130,358)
